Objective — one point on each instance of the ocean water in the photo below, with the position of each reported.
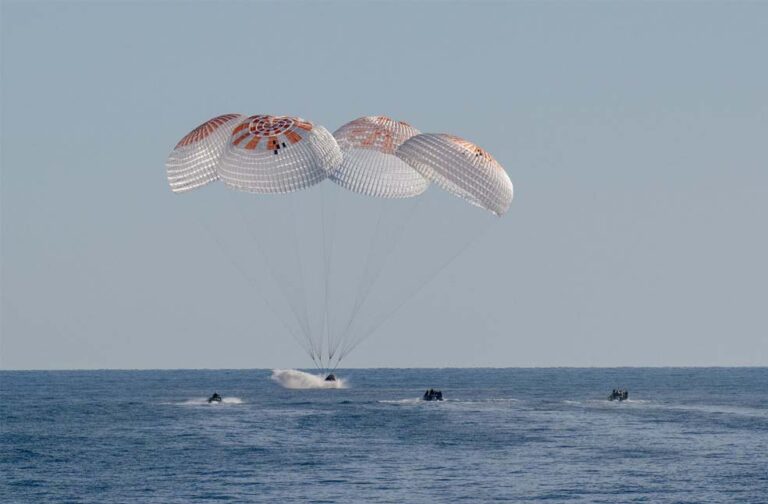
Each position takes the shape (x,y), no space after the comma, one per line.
(507,435)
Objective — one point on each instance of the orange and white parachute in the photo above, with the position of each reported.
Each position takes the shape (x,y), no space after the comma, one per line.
(268,154)
(374,156)
(194,162)
(369,165)
(460,167)
(260,154)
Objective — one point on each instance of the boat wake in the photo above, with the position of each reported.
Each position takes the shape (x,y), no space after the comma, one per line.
(295,379)
(415,400)
(458,402)
(605,402)
(693,408)
(203,401)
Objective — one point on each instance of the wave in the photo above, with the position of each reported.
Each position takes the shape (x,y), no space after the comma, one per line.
(605,402)
(295,379)
(401,401)
(198,401)
(716,409)
(483,401)
(693,408)
(419,400)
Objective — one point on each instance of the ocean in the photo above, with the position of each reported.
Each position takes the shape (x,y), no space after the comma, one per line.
(503,435)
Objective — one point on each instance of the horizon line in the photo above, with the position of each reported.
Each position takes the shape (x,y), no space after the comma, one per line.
(737,366)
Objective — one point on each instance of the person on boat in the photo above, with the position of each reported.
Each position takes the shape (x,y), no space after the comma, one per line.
(433,395)
(214,398)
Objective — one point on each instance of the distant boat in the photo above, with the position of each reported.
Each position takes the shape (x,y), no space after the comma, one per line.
(619,395)
(432,395)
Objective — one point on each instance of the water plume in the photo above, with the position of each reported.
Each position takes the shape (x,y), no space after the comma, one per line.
(295,379)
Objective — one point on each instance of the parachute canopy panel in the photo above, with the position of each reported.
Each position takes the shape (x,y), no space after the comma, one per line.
(277,154)
(193,161)
(460,167)
(369,164)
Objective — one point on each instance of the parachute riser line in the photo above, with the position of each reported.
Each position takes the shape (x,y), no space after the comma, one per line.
(371,156)
(353,343)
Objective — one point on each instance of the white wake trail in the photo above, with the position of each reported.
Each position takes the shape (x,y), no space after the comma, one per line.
(204,401)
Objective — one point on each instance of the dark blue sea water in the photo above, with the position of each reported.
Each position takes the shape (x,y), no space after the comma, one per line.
(686,435)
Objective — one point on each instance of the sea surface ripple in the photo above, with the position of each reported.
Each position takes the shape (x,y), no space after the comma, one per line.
(685,435)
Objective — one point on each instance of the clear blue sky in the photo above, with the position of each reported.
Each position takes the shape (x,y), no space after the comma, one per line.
(635,134)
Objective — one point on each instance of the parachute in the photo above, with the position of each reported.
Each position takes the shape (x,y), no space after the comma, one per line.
(460,167)
(193,162)
(336,260)
(267,154)
(370,166)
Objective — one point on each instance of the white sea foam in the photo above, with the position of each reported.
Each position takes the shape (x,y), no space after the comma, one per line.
(702,408)
(489,400)
(715,409)
(603,402)
(197,401)
(458,402)
(415,400)
(295,379)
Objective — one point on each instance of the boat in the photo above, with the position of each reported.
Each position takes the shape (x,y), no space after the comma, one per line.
(619,395)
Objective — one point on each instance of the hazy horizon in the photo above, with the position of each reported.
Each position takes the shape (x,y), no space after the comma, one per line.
(634,134)
(353,368)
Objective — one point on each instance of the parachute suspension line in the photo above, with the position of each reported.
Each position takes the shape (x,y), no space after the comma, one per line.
(303,324)
(326,271)
(368,284)
(324,328)
(246,275)
(329,231)
(352,343)
(363,276)
(361,290)
(302,282)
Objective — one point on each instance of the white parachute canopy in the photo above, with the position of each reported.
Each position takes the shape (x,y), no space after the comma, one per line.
(194,161)
(369,164)
(267,154)
(335,261)
(460,167)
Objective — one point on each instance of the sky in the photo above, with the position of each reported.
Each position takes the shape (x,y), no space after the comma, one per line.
(634,132)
